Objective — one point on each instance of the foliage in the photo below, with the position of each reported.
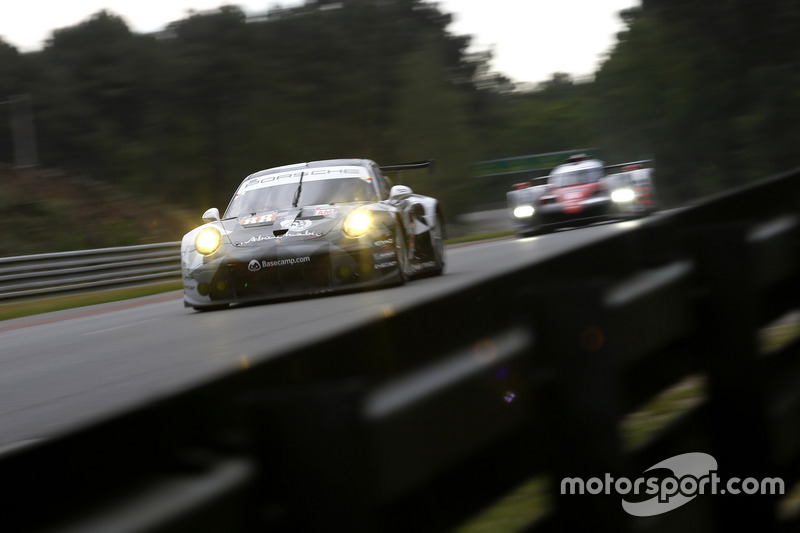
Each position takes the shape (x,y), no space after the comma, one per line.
(54,212)
(711,91)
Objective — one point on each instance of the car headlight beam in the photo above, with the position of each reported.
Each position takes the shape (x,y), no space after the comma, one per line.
(208,241)
(523,211)
(357,224)
(623,195)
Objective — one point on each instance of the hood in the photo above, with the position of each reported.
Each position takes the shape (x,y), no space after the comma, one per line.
(286,225)
(571,199)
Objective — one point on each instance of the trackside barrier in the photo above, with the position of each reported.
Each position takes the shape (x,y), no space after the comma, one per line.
(88,270)
(417,421)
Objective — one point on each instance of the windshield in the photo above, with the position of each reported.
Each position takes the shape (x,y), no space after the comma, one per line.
(576,177)
(328,191)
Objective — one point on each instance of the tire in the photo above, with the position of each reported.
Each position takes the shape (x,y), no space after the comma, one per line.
(438,244)
(438,236)
(401,252)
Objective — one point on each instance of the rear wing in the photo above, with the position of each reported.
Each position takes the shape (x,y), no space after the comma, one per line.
(416,165)
(631,163)
(583,157)
(639,163)
(576,159)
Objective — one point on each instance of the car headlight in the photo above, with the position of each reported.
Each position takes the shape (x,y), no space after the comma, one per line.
(357,224)
(623,195)
(208,240)
(523,211)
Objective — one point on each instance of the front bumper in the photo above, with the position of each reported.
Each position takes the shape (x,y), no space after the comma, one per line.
(238,275)
(553,216)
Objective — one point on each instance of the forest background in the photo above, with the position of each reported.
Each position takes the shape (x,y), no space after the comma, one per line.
(709,91)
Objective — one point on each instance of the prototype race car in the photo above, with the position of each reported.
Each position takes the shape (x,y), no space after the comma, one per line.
(580,192)
(312,228)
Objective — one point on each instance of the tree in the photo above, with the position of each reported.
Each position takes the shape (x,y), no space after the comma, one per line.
(431,121)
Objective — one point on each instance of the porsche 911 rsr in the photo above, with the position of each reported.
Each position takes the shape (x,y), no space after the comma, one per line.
(312,228)
(580,192)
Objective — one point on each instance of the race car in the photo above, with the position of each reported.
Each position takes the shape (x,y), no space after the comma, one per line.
(581,192)
(312,228)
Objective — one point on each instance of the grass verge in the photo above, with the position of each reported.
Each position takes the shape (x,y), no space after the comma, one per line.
(481,237)
(23,308)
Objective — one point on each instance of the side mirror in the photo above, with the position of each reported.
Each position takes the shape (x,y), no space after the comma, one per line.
(212,215)
(398,192)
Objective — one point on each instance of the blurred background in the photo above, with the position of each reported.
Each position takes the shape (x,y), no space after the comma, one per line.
(127,137)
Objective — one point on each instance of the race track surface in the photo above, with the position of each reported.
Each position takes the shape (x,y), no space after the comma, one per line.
(68,369)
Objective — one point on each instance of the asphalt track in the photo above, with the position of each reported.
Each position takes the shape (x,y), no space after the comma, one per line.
(63,370)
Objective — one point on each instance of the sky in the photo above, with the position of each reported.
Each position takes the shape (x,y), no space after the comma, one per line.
(530,39)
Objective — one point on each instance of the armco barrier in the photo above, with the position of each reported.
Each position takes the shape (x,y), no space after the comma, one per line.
(86,270)
(418,420)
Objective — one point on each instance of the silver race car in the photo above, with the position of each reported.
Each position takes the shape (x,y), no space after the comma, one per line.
(312,228)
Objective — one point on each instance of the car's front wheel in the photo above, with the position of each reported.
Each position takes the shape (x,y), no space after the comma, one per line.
(437,236)
(401,252)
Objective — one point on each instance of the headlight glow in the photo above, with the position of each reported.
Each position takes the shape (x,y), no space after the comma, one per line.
(357,224)
(623,195)
(523,211)
(208,240)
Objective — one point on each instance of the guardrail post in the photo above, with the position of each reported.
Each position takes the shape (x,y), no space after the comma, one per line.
(579,403)
(737,425)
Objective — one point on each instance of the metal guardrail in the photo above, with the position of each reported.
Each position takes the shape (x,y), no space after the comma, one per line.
(85,270)
(414,423)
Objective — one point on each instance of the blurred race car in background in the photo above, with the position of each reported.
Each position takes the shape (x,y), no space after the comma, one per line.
(312,228)
(581,192)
